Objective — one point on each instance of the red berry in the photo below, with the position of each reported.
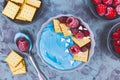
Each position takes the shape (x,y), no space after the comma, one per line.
(72,22)
(116,43)
(115,35)
(101,9)
(96,1)
(79,35)
(111,13)
(23,44)
(74,31)
(86,33)
(118,9)
(63,19)
(117,49)
(75,49)
(116,2)
(88,45)
(108,2)
(118,30)
(83,49)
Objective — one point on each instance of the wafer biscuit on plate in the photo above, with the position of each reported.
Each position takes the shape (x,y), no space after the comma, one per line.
(11,10)
(13,59)
(35,3)
(57,27)
(81,42)
(20,71)
(18,1)
(65,29)
(81,56)
(27,12)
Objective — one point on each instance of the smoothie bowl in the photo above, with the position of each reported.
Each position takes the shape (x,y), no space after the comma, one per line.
(65,43)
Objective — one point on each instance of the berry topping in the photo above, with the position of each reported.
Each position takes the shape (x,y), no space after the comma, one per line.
(63,19)
(117,49)
(75,49)
(23,44)
(116,2)
(118,9)
(74,31)
(79,35)
(88,45)
(118,30)
(72,22)
(101,9)
(111,13)
(107,2)
(116,43)
(83,49)
(86,33)
(96,1)
(115,35)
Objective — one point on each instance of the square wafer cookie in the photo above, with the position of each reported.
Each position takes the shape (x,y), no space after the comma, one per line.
(35,3)
(57,27)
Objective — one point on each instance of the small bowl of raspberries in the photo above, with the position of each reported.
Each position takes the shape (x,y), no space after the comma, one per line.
(106,9)
(113,40)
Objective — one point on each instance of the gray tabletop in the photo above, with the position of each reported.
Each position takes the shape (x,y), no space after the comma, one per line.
(102,66)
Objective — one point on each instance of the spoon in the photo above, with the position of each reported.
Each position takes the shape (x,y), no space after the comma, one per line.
(21,35)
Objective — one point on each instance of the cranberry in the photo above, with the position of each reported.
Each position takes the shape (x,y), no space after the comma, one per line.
(75,49)
(63,19)
(79,35)
(115,35)
(86,33)
(116,43)
(74,31)
(117,49)
(72,22)
(118,30)
(23,44)
(83,49)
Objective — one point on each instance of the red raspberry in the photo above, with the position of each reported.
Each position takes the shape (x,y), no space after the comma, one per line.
(115,35)
(63,19)
(88,45)
(111,13)
(75,49)
(118,9)
(101,9)
(74,31)
(79,35)
(117,50)
(86,33)
(72,22)
(108,2)
(23,44)
(83,49)
(116,43)
(96,1)
(118,30)
(116,2)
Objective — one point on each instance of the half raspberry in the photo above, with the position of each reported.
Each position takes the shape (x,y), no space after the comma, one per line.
(108,2)
(75,49)
(63,19)
(23,44)
(116,43)
(118,9)
(74,31)
(117,49)
(79,35)
(96,1)
(118,30)
(86,33)
(116,2)
(115,35)
(101,9)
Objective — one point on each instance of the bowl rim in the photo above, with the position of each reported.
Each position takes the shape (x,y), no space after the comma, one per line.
(79,66)
(108,36)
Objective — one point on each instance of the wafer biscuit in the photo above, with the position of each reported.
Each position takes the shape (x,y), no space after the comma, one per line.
(35,3)
(57,27)
(18,1)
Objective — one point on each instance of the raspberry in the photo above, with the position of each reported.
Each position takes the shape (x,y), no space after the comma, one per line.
(108,2)
(83,49)
(118,30)
(23,44)
(111,13)
(86,33)
(116,2)
(117,50)
(115,35)
(88,45)
(79,35)
(101,9)
(75,49)
(118,9)
(74,31)
(96,1)
(63,19)
(72,22)
(116,43)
